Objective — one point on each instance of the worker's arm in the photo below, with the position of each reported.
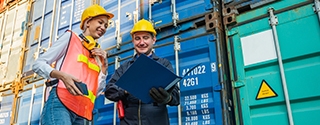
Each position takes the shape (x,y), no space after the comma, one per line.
(113,92)
(55,53)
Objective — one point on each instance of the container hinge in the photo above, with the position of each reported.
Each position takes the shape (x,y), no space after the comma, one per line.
(217,88)
(118,35)
(238,84)
(35,55)
(135,17)
(175,15)
(117,62)
(273,21)
(316,7)
(230,104)
(29,24)
(229,15)
(175,18)
(16,87)
(177,46)
(212,21)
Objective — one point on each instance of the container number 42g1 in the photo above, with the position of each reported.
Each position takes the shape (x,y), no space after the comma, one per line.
(194,80)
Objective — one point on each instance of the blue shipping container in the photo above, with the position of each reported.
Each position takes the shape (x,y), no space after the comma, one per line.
(40,32)
(200,90)
(6,102)
(30,104)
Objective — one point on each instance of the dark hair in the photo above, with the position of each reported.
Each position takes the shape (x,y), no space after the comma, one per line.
(152,35)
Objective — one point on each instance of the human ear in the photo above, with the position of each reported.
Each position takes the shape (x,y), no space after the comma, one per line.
(154,39)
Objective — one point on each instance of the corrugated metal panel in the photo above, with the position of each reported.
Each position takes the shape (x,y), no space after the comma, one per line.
(70,14)
(104,112)
(247,4)
(200,91)
(41,29)
(6,102)
(169,12)
(12,42)
(272,87)
(31,103)
(2,17)
(49,23)
(161,14)
(122,22)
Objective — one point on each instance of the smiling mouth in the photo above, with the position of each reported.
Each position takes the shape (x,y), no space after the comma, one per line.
(100,33)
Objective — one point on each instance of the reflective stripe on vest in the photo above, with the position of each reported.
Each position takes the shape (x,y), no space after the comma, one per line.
(84,59)
(77,62)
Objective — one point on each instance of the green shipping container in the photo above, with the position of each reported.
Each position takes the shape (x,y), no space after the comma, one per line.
(274,52)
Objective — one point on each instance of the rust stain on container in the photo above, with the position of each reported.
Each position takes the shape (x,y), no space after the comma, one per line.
(2,5)
(37,33)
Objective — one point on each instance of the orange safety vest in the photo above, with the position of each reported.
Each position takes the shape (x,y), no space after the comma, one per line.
(78,63)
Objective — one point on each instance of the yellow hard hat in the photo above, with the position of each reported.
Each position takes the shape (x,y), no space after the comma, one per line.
(143,25)
(93,11)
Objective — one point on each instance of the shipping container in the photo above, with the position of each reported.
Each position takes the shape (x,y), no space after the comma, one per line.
(200,90)
(172,12)
(125,12)
(48,24)
(12,42)
(258,58)
(30,103)
(274,56)
(185,45)
(40,28)
(6,101)
(47,21)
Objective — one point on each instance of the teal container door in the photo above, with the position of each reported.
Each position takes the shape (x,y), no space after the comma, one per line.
(256,72)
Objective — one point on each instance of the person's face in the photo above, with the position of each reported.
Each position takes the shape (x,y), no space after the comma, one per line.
(97,26)
(143,42)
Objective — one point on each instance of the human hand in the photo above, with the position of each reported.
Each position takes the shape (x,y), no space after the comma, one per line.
(160,95)
(100,53)
(69,83)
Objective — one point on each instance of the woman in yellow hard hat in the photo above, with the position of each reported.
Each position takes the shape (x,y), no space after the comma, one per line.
(79,73)
(135,112)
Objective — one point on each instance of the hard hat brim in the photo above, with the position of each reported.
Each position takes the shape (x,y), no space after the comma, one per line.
(109,16)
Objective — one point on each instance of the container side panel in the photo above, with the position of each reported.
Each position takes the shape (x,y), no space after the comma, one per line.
(200,103)
(30,101)
(128,9)
(6,107)
(200,96)
(17,42)
(109,38)
(1,26)
(5,48)
(65,11)
(104,111)
(262,96)
(41,20)
(71,11)
(162,13)
(11,42)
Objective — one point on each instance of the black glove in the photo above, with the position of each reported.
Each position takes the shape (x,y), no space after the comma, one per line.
(160,95)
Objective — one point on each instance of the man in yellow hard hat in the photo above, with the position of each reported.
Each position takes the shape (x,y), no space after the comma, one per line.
(135,112)
(79,73)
